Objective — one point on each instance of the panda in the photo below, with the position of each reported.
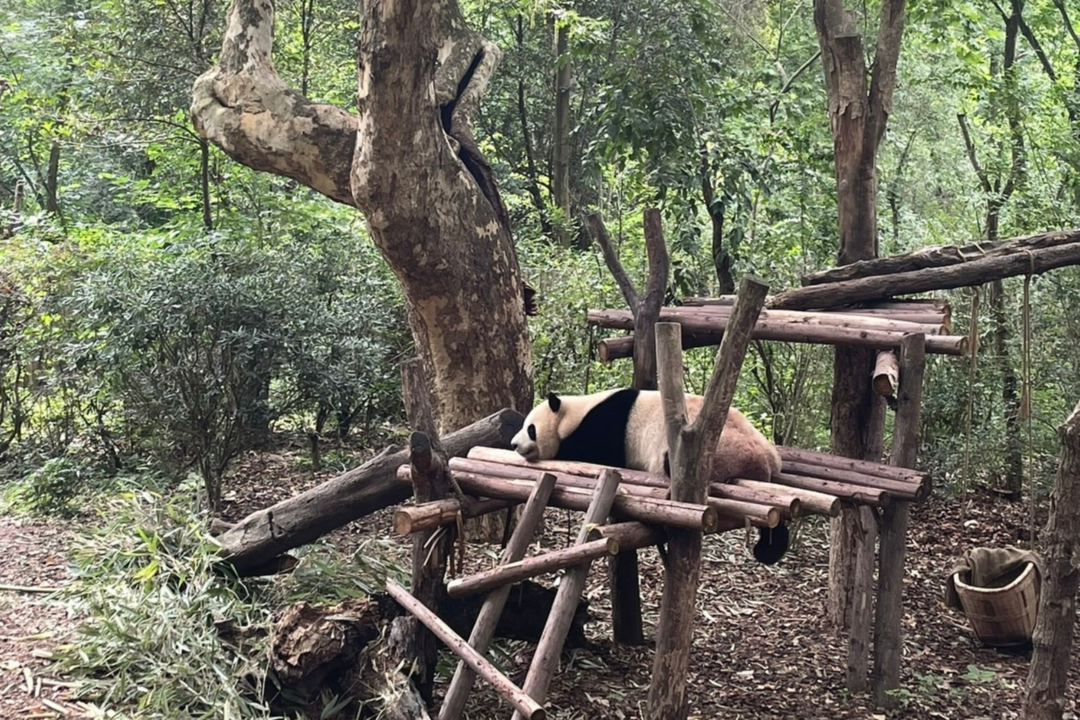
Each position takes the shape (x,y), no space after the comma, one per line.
(625,428)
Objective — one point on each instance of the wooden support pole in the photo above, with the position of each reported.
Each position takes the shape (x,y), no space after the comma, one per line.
(548,650)
(886,373)
(965,274)
(525,705)
(488,618)
(429,554)
(691,448)
(888,641)
(706,325)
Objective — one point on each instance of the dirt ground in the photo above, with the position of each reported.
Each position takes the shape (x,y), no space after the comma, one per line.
(762,648)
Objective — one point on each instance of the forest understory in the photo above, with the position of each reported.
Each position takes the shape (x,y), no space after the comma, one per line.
(762,646)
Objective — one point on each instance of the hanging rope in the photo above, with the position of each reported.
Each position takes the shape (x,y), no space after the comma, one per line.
(973,366)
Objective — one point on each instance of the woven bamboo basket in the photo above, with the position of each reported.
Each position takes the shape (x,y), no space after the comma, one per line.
(1002,615)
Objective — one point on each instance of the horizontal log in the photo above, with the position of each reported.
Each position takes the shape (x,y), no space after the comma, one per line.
(739,505)
(810,503)
(814,457)
(489,461)
(858,494)
(457,644)
(848,319)
(530,567)
(426,516)
(940,304)
(898,488)
(765,494)
(966,274)
(789,332)
(886,373)
(630,535)
(265,534)
(646,509)
(941,256)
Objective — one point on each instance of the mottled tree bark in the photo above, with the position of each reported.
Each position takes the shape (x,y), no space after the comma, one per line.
(859,105)
(1047,683)
(409,162)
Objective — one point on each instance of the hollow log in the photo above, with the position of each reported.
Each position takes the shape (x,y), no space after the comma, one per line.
(787,331)
(433,514)
(814,457)
(966,274)
(886,373)
(942,256)
(857,494)
(509,573)
(524,704)
(267,533)
(810,502)
(897,488)
(546,658)
(488,618)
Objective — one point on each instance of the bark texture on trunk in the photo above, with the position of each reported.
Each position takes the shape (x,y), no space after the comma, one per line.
(859,104)
(409,162)
(1047,683)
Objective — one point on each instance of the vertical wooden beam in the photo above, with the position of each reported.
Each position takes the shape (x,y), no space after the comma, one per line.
(691,447)
(488,618)
(430,482)
(888,640)
(548,650)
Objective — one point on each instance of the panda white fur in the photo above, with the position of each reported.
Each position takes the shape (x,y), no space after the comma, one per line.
(625,428)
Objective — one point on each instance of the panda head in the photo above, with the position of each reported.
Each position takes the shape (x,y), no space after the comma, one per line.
(539,437)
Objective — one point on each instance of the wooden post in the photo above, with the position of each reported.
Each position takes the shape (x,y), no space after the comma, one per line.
(1047,685)
(623,568)
(888,645)
(548,650)
(691,448)
(502,684)
(488,618)
(429,554)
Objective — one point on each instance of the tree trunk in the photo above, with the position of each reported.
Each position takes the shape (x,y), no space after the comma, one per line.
(560,160)
(858,112)
(720,256)
(409,162)
(1047,683)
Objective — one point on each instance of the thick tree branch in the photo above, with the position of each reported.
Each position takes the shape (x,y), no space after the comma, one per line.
(973,156)
(883,73)
(603,239)
(243,107)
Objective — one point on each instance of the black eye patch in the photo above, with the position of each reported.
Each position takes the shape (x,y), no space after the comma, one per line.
(532,433)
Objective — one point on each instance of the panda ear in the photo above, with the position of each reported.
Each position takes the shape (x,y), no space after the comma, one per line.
(554,402)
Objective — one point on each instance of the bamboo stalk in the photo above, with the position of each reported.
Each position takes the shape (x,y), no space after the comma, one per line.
(524,704)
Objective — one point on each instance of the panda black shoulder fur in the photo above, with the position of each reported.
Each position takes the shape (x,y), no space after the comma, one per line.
(625,428)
